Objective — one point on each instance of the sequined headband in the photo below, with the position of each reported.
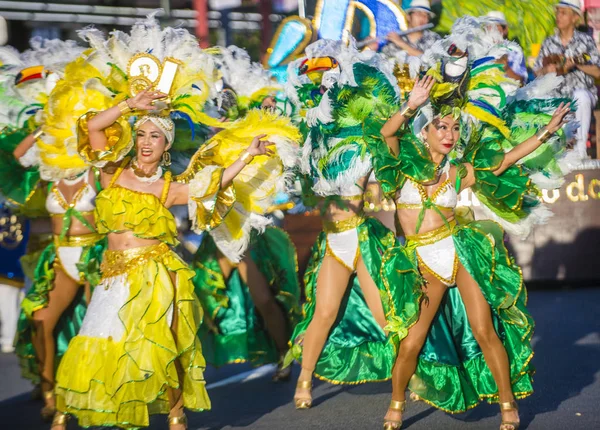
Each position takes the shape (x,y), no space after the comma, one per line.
(166,125)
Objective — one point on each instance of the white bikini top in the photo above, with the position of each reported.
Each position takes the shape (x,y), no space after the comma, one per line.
(83,201)
(413,194)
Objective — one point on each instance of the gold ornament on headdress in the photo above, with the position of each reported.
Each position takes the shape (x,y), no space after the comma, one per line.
(145,71)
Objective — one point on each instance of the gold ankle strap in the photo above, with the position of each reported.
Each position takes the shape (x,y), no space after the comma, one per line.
(60,419)
(177,420)
(397,406)
(304,384)
(509,406)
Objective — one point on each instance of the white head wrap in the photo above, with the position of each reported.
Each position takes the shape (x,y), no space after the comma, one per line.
(166,125)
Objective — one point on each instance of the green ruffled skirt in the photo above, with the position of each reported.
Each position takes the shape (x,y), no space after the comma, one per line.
(37,298)
(233,331)
(451,373)
(357,349)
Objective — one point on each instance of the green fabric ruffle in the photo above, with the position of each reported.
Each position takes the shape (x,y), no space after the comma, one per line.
(37,298)
(392,171)
(357,349)
(233,331)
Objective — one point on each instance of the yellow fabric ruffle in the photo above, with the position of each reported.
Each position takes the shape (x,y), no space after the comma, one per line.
(120,209)
(256,185)
(120,382)
(118,136)
(209,204)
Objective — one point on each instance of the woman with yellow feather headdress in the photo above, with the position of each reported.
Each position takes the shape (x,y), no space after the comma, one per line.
(53,308)
(137,352)
(251,304)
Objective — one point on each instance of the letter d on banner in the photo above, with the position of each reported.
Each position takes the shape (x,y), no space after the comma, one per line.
(333,18)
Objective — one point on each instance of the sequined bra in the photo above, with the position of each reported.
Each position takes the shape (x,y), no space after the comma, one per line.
(82,201)
(120,209)
(414,196)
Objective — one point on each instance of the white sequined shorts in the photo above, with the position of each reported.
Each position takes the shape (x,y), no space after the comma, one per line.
(436,253)
(342,241)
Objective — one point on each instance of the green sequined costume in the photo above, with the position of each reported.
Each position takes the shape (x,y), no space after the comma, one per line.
(233,331)
(335,159)
(495,116)
(357,349)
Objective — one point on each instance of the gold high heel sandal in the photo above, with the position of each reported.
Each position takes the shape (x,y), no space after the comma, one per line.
(509,425)
(60,419)
(395,406)
(303,403)
(173,421)
(47,412)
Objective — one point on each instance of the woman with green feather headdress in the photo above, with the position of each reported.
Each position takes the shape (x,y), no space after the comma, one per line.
(343,337)
(466,125)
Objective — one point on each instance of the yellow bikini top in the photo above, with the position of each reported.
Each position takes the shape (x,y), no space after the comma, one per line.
(120,209)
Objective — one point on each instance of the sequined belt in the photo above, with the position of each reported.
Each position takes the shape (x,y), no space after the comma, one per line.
(344,225)
(115,263)
(432,236)
(80,240)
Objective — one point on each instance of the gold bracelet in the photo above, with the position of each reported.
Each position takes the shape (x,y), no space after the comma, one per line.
(124,107)
(543,134)
(38,132)
(406,111)
(247,158)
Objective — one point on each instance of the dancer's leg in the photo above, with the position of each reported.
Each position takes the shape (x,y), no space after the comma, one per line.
(411,345)
(332,282)
(269,310)
(480,320)
(371,293)
(45,320)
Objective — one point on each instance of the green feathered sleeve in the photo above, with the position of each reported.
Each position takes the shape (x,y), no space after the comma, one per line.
(510,195)
(525,118)
(18,183)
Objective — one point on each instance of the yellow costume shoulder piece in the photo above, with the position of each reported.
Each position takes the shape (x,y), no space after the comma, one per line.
(254,189)
(119,141)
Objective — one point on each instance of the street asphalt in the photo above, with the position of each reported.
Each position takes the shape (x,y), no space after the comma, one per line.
(567,384)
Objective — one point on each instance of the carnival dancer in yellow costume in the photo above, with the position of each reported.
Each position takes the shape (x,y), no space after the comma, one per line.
(251,304)
(138,352)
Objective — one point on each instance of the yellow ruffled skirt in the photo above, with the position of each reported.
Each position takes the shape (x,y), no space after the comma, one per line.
(117,371)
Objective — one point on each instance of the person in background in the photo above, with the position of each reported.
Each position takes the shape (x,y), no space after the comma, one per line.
(419,13)
(11,281)
(514,61)
(573,54)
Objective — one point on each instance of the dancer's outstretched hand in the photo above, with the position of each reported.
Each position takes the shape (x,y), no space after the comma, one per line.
(260,147)
(558,118)
(144,100)
(420,92)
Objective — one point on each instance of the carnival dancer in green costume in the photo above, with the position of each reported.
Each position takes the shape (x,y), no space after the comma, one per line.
(466,125)
(252,302)
(343,336)
(40,170)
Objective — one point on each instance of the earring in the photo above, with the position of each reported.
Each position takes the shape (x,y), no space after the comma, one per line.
(166,159)
(426,144)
